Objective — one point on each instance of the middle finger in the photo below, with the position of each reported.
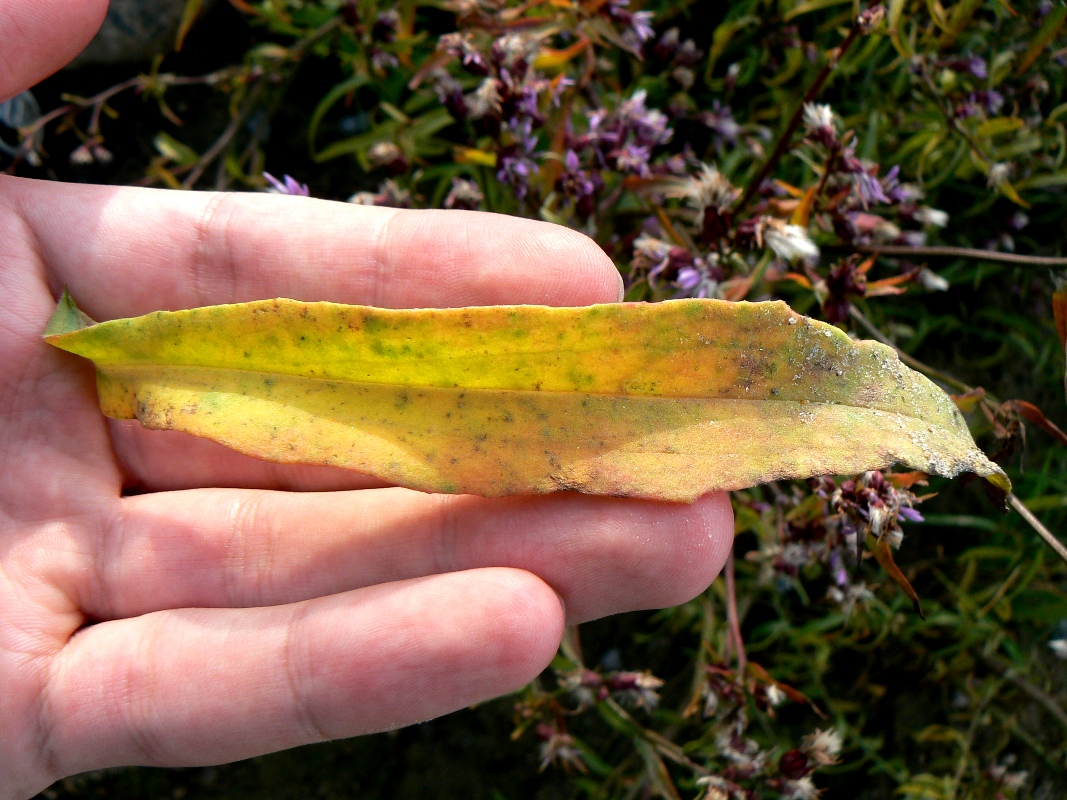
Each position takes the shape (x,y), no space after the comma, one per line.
(241,548)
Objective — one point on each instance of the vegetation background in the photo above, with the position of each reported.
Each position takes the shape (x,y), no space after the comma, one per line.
(675,134)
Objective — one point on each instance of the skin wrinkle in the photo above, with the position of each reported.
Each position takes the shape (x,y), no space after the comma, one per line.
(376,277)
(135,716)
(108,564)
(303,705)
(445,534)
(46,752)
(252,563)
(210,261)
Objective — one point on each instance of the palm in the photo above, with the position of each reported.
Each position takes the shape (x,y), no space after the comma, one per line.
(235,621)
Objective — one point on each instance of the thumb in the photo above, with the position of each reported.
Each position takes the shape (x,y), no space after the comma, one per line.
(37,37)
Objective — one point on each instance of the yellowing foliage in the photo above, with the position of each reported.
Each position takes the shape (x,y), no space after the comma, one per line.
(665,401)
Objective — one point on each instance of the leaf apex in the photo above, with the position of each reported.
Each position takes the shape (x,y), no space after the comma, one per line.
(67,318)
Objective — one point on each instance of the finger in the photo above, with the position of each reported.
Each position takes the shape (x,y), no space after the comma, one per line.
(213,548)
(39,37)
(205,686)
(126,251)
(168,460)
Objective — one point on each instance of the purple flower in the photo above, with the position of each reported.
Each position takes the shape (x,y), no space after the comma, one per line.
(696,281)
(976,66)
(837,568)
(578,185)
(641,25)
(288,185)
(559,86)
(632,158)
(516,165)
(720,119)
(637,24)
(868,188)
(910,514)
(994,101)
(459,45)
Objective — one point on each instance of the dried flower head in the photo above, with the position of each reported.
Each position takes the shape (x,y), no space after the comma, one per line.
(818,118)
(822,747)
(485,100)
(933,217)
(464,194)
(710,189)
(787,241)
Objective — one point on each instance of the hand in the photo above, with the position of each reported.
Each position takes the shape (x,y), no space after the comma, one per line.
(191,624)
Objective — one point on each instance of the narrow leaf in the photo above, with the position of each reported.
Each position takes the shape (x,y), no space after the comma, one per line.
(1032,413)
(189,14)
(884,556)
(666,401)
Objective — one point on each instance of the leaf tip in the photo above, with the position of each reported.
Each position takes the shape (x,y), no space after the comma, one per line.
(67,318)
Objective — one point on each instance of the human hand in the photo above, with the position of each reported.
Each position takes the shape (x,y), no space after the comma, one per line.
(192,624)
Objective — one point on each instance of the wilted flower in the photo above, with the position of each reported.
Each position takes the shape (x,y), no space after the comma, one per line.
(512,48)
(386,155)
(870,18)
(935,217)
(822,747)
(288,185)
(559,747)
(775,696)
(818,116)
(711,189)
(464,194)
(715,787)
(91,152)
(802,789)
(850,597)
(998,173)
(650,252)
(931,282)
(484,100)
(1012,781)
(459,45)
(794,765)
(744,754)
(787,241)
(635,688)
(389,195)
(819,124)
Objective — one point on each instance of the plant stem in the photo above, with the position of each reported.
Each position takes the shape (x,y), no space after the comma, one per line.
(732,617)
(1004,668)
(1035,523)
(786,138)
(954,252)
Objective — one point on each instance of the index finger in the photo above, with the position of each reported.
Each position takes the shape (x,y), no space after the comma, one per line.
(126,251)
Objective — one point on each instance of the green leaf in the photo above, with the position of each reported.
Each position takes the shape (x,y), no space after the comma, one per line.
(666,401)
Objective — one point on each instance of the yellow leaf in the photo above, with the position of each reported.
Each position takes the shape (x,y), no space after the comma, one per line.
(665,401)
(472,155)
(1045,35)
(803,209)
(999,125)
(189,14)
